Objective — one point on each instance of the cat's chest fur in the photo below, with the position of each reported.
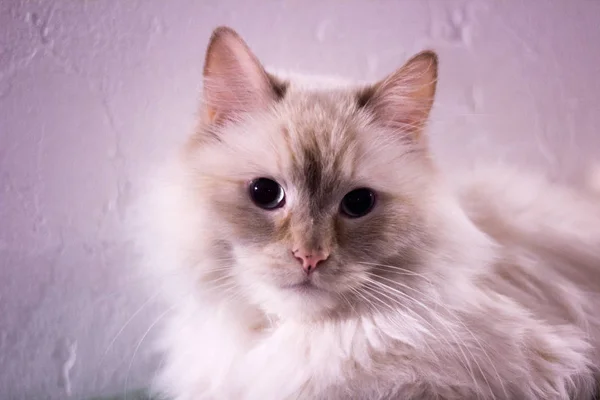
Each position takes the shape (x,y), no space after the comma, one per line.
(384,357)
(290,359)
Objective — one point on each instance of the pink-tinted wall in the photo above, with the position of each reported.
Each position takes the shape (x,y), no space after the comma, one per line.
(92,93)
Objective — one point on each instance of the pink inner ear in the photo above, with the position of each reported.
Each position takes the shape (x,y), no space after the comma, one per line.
(234,80)
(404,113)
(404,99)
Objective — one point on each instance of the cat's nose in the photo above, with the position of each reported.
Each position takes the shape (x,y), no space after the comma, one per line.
(310,259)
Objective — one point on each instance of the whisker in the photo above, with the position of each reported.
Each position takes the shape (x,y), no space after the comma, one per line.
(157,371)
(388,306)
(398,270)
(141,279)
(129,320)
(219,279)
(434,354)
(139,344)
(359,294)
(447,327)
(450,313)
(228,286)
(349,303)
(203,267)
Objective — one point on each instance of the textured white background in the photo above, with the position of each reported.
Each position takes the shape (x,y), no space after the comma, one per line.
(92,93)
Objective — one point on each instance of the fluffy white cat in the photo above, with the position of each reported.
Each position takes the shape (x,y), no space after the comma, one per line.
(310,249)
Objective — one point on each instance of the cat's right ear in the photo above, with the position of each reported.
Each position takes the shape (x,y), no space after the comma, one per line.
(235,82)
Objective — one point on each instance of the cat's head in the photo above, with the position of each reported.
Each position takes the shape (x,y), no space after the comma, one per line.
(313,198)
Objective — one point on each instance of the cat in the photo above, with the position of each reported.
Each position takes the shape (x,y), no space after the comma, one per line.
(309,247)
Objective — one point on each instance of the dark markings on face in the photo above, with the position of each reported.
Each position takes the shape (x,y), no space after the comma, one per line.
(250,223)
(312,169)
(342,153)
(282,229)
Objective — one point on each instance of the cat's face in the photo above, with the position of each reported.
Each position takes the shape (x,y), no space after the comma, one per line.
(316,195)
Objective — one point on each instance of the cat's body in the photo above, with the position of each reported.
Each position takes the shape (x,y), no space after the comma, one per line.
(484,286)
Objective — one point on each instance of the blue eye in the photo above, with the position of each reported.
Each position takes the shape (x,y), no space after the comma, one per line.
(358,203)
(266,193)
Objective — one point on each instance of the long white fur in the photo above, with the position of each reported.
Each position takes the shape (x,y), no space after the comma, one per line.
(219,348)
(211,356)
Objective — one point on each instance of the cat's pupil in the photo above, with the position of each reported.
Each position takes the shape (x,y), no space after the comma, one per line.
(358,203)
(266,193)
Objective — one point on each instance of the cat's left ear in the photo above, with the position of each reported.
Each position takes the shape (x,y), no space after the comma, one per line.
(235,82)
(403,100)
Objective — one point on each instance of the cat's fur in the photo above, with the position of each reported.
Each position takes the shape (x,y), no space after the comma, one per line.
(477,287)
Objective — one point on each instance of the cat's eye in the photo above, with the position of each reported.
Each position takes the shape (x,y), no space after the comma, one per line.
(266,193)
(358,203)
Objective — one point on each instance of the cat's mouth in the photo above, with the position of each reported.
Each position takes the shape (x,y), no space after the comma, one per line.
(305,286)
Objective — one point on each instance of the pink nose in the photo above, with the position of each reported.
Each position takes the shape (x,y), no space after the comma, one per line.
(310,259)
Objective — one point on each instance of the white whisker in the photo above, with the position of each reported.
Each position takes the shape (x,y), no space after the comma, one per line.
(349,303)
(396,269)
(445,324)
(139,344)
(450,313)
(395,311)
(129,320)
